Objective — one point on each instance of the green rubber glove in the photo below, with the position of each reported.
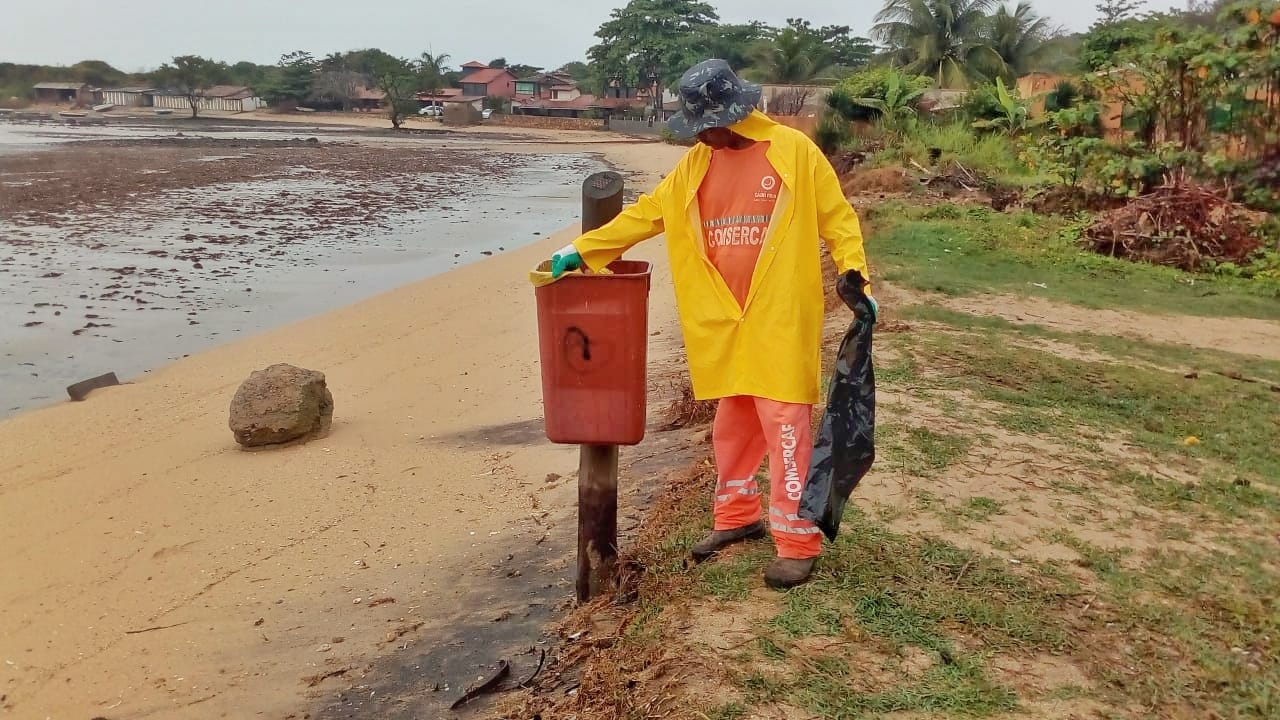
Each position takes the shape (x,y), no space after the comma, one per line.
(565,260)
(875,309)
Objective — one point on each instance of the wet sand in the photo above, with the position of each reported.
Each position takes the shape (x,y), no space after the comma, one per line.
(152,570)
(121,254)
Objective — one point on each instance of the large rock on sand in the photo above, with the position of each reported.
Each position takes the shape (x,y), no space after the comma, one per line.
(279,405)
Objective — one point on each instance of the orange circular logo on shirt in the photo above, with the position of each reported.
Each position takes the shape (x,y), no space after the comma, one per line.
(768,182)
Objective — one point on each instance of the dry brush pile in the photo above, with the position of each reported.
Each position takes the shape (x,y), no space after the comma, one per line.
(1183,225)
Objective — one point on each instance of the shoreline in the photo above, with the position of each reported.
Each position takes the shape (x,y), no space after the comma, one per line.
(233,262)
(135,509)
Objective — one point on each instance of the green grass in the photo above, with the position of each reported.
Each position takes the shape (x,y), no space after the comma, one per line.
(976,250)
(1157,628)
(1202,626)
(981,508)
(919,451)
(959,688)
(731,711)
(731,578)
(905,592)
(993,155)
(1166,355)
(1235,422)
(1234,500)
(806,612)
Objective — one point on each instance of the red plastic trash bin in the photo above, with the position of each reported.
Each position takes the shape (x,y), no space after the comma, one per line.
(593,335)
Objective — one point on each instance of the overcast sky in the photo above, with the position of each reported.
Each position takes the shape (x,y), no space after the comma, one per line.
(137,35)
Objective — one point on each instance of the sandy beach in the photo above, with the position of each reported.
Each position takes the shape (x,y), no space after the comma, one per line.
(153,570)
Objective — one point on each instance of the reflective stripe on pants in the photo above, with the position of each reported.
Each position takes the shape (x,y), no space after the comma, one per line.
(748,429)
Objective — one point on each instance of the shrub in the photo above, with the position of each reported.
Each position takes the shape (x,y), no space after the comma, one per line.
(833,132)
(1063,97)
(871,83)
(982,103)
(993,155)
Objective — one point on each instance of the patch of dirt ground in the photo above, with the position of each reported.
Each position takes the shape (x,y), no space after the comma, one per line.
(1244,336)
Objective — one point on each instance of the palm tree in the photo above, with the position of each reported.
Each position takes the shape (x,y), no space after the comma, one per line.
(946,40)
(433,69)
(792,57)
(1019,38)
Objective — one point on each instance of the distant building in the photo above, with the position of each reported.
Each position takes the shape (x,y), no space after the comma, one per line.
(938,100)
(368,99)
(546,85)
(473,67)
(1033,88)
(445,97)
(62,93)
(577,106)
(224,98)
(479,80)
(129,96)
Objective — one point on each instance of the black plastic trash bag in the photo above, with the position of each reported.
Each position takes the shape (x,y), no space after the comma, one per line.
(845,445)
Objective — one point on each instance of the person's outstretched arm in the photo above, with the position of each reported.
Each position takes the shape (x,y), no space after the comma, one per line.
(636,223)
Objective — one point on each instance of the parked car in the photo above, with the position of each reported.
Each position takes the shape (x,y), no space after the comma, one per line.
(486,114)
(431,111)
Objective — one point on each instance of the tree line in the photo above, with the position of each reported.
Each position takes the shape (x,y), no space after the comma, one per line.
(648,43)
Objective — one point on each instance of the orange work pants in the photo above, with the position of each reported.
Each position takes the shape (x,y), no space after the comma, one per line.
(747,429)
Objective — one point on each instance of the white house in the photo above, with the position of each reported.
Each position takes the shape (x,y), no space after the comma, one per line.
(226,98)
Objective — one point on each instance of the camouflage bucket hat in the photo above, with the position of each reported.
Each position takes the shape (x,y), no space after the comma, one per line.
(712,96)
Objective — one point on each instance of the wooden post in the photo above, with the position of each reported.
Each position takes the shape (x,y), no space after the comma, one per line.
(597,519)
(81,390)
(598,464)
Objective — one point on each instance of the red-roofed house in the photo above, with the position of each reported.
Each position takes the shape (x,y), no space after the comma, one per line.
(483,81)
(575,106)
(368,99)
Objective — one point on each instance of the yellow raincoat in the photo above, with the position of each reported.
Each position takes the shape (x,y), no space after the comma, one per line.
(771,347)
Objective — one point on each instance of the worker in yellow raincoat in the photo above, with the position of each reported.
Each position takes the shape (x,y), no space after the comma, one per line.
(745,213)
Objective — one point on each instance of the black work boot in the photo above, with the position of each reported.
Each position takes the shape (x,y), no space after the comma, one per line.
(784,573)
(721,539)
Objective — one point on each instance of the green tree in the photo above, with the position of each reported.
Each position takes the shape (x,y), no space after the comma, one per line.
(1112,12)
(520,70)
(399,78)
(802,54)
(1104,43)
(294,80)
(1061,54)
(648,41)
(249,74)
(735,44)
(846,49)
(947,40)
(337,86)
(577,69)
(1019,38)
(339,77)
(189,76)
(433,71)
(793,57)
(98,73)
